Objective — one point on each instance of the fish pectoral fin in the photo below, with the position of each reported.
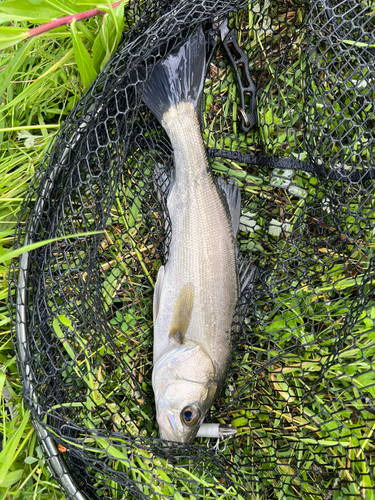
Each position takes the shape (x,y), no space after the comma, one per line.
(157,292)
(177,337)
(232,196)
(181,314)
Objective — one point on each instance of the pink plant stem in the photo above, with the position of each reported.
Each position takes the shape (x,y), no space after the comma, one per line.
(67,20)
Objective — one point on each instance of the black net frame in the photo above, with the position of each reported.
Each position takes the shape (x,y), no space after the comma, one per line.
(301,385)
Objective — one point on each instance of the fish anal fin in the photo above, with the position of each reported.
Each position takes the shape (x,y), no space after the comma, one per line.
(157,292)
(232,195)
(247,275)
(163,179)
(181,314)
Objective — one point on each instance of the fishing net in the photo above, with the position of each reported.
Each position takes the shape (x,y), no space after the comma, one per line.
(287,113)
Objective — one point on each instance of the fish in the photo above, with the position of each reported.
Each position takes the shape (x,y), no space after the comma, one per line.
(196,291)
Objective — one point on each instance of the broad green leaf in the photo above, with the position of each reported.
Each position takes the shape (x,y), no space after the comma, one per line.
(7,73)
(61,336)
(118,14)
(7,454)
(11,478)
(8,18)
(358,44)
(106,35)
(112,451)
(30,460)
(65,321)
(111,30)
(98,53)
(64,7)
(16,10)
(2,382)
(88,4)
(43,11)
(86,31)
(84,62)
(10,36)
(1,140)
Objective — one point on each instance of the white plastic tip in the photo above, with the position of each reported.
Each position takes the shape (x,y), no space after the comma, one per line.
(216,431)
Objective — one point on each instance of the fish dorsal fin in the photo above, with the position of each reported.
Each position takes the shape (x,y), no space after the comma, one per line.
(157,292)
(232,195)
(181,314)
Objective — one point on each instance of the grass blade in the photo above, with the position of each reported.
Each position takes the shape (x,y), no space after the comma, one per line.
(7,74)
(15,253)
(84,62)
(9,450)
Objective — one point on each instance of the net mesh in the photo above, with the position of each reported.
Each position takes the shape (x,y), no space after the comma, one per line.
(301,386)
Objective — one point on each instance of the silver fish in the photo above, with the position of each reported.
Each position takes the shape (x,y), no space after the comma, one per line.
(196,291)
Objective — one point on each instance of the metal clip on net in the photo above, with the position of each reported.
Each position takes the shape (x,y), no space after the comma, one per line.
(240,64)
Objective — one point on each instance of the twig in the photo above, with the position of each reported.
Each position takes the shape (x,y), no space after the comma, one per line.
(67,20)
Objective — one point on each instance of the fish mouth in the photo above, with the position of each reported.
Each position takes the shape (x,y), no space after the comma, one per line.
(169,432)
(168,428)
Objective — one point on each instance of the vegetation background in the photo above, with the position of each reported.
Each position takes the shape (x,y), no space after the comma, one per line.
(41,79)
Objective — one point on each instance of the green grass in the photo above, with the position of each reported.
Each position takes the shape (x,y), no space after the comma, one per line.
(40,83)
(295,427)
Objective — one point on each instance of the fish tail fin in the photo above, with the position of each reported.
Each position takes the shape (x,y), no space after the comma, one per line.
(177,78)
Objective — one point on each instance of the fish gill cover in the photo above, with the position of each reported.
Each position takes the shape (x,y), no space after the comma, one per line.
(301,385)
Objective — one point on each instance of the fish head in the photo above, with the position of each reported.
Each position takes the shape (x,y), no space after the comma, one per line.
(184,385)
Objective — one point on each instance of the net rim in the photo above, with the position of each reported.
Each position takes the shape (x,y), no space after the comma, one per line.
(60,471)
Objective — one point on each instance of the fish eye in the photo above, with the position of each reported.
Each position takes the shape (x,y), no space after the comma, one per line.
(190,415)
